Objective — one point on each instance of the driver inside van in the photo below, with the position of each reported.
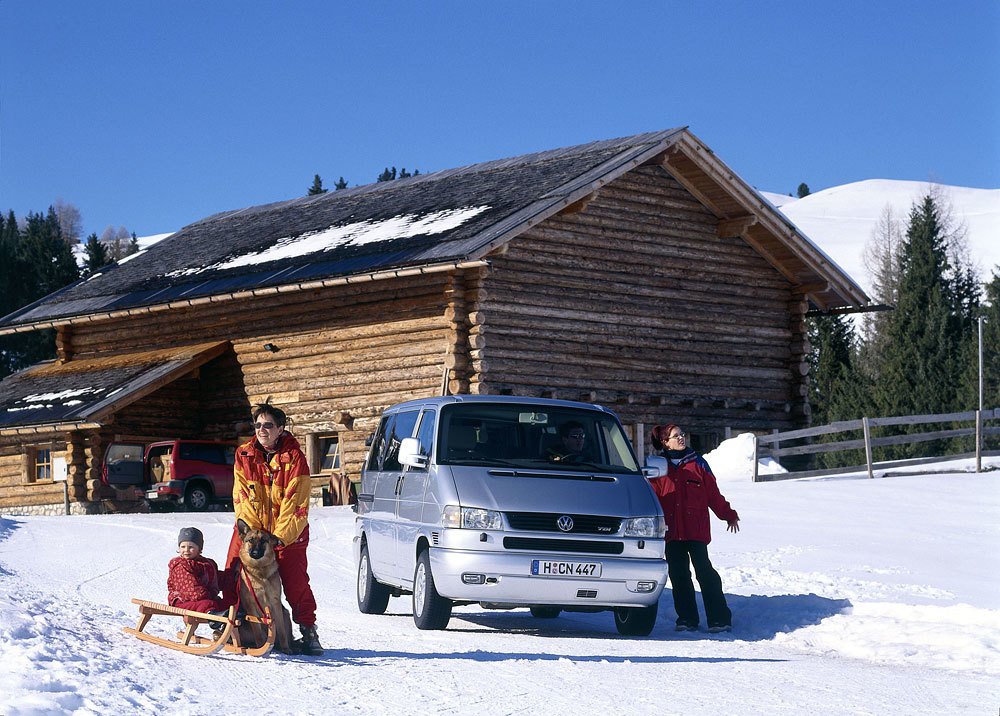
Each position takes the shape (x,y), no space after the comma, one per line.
(572,439)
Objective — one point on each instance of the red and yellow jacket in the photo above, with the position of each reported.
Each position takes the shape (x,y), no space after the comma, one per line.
(272,495)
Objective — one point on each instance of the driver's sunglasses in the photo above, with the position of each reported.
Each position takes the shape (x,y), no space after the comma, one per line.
(576,436)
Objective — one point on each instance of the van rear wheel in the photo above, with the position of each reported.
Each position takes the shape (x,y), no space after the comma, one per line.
(373,596)
(545,612)
(430,609)
(636,621)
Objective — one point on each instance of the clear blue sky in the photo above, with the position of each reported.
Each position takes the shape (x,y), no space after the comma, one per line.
(152,115)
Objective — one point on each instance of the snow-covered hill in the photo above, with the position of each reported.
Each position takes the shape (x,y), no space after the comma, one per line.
(849,595)
(840,220)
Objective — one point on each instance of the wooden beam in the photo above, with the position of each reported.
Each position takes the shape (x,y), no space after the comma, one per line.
(730,228)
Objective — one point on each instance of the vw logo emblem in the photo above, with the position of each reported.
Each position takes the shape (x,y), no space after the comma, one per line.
(565,523)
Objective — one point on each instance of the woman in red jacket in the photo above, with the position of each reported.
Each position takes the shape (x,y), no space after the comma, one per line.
(686,494)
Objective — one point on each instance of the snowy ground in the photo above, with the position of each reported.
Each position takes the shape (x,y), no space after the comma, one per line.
(850,596)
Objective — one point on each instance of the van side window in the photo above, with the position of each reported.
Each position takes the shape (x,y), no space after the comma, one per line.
(378,444)
(402,427)
(425,433)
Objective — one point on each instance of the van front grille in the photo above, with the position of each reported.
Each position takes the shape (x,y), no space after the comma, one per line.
(563,545)
(548,522)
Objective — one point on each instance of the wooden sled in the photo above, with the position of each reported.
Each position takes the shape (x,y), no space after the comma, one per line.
(191,643)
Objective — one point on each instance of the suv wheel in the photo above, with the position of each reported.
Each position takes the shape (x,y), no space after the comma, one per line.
(373,596)
(430,609)
(197,498)
(636,621)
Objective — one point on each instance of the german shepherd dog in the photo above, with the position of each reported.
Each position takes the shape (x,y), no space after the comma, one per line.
(260,569)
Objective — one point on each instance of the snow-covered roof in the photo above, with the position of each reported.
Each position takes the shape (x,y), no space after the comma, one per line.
(451,216)
(88,390)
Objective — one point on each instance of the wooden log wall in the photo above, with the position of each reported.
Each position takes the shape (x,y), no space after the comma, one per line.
(636,302)
(339,357)
(15,463)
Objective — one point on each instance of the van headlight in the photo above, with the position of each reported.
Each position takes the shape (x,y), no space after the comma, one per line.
(471,518)
(645,527)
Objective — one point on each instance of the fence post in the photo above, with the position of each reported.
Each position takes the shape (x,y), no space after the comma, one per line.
(979,441)
(755,457)
(868,446)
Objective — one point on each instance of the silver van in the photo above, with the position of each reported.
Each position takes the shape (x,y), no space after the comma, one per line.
(508,502)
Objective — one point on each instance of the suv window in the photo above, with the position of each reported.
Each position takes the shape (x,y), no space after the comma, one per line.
(402,427)
(215,454)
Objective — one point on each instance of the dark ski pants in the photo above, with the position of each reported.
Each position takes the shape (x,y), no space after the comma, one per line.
(293,569)
(681,554)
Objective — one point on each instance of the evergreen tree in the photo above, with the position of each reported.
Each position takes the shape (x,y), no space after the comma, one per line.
(341,184)
(918,372)
(387,175)
(97,255)
(37,261)
(133,245)
(831,338)
(317,186)
(803,190)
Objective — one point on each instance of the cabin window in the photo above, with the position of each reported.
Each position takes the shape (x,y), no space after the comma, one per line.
(41,464)
(329,453)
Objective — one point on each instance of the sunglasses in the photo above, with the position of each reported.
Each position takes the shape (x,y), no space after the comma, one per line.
(264,426)
(677,436)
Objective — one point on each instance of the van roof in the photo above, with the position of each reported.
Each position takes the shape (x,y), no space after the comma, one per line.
(509,399)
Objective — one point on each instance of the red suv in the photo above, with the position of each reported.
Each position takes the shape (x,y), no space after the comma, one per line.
(192,473)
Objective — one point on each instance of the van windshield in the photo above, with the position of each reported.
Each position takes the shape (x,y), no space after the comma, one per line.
(533,437)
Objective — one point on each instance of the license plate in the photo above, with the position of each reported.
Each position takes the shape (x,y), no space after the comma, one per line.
(547,568)
(151,494)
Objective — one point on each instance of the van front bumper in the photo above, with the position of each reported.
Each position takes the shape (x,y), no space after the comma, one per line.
(508,581)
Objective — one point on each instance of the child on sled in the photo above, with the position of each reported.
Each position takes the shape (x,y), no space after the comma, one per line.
(194,581)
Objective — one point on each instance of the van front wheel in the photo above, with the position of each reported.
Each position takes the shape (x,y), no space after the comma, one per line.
(430,609)
(373,596)
(636,621)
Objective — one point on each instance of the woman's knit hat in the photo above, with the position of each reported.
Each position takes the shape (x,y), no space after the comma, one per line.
(191,534)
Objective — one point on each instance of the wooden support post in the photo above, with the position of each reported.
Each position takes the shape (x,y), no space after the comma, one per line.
(755,466)
(979,441)
(640,441)
(728,433)
(66,493)
(868,446)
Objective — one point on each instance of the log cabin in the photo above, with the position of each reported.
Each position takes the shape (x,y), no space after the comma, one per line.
(640,273)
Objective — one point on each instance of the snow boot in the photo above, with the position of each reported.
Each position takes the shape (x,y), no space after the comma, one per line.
(309,643)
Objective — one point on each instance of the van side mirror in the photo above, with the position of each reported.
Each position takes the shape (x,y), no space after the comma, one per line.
(410,453)
(656,466)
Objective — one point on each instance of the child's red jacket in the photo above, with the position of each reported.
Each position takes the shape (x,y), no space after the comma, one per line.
(191,580)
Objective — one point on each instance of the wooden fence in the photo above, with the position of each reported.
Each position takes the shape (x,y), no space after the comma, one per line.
(770,445)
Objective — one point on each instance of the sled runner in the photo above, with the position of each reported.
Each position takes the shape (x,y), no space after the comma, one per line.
(188,641)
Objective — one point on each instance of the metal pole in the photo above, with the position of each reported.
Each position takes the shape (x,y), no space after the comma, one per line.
(980,363)
(979,441)
(868,446)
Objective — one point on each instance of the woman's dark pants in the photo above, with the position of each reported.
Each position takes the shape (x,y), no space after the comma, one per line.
(681,555)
